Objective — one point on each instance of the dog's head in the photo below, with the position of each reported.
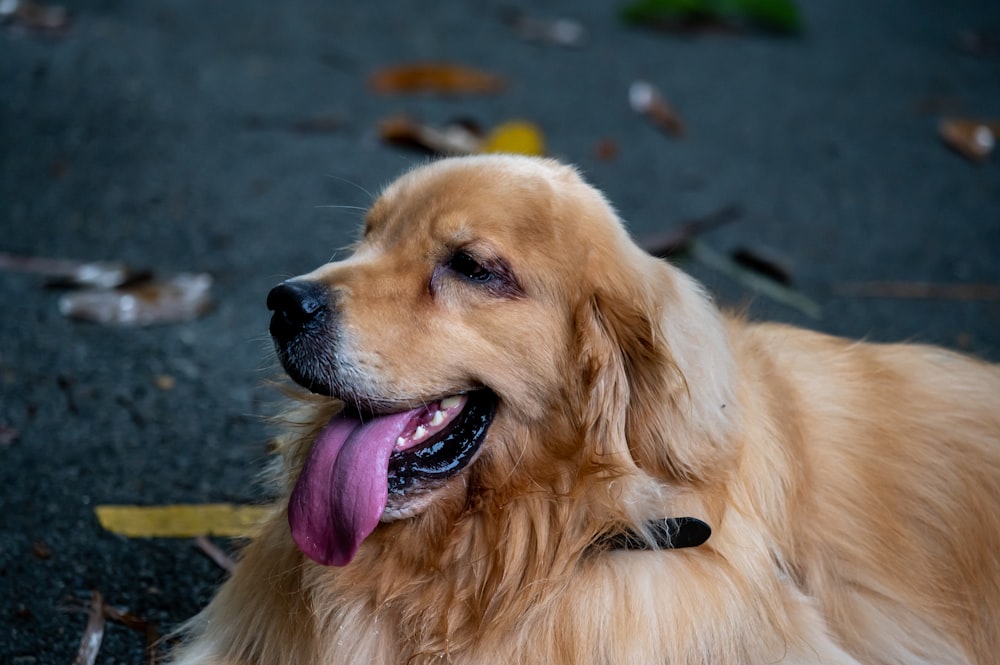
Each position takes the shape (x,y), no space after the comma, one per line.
(496,323)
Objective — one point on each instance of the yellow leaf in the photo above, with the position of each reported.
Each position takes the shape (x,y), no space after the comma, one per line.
(182,520)
(515,137)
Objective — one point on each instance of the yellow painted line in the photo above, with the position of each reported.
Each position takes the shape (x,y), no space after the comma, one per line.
(182,520)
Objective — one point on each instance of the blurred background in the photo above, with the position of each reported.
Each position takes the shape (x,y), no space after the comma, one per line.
(825,162)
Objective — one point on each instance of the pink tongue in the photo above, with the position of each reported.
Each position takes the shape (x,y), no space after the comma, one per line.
(342,490)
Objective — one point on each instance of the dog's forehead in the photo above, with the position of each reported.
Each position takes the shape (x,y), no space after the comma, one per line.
(457,199)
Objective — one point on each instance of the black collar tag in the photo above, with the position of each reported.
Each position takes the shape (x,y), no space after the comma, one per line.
(671,533)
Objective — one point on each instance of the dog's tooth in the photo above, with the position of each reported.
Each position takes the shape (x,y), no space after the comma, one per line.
(420,433)
(400,442)
(438,418)
(451,402)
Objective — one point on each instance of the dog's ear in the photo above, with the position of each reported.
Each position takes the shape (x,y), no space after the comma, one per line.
(657,373)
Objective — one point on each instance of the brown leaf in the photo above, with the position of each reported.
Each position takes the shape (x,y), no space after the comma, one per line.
(974,139)
(644,98)
(146,628)
(454,139)
(440,78)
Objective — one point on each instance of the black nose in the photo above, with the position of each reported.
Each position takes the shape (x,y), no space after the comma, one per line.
(297,306)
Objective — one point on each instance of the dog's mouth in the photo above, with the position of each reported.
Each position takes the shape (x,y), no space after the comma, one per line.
(358,459)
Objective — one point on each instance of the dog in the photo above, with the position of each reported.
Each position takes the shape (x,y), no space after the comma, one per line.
(525,440)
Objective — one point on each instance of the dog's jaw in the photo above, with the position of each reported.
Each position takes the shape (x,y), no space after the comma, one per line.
(359,461)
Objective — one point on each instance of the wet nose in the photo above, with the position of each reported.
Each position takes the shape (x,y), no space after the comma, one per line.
(297,306)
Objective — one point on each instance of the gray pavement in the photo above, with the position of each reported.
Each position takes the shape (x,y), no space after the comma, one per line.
(164,134)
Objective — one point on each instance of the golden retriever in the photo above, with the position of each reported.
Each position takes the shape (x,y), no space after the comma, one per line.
(524,426)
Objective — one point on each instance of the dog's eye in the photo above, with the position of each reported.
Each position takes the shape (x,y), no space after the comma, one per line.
(466,266)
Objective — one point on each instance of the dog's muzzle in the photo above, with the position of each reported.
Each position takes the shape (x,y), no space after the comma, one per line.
(304,330)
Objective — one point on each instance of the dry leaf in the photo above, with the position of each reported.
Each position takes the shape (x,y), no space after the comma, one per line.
(463,138)
(559,32)
(454,139)
(146,628)
(644,98)
(115,293)
(179,298)
(974,139)
(98,612)
(182,520)
(515,137)
(441,78)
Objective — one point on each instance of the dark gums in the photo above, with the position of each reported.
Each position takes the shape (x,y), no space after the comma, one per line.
(449,454)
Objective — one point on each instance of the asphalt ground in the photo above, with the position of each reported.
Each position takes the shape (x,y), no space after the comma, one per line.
(213,137)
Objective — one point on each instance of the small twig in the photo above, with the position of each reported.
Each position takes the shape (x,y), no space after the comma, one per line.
(918,290)
(679,238)
(93,634)
(213,552)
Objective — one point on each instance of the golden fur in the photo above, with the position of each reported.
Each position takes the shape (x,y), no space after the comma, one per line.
(853,489)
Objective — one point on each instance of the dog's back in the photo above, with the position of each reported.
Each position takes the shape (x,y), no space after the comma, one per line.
(892,513)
